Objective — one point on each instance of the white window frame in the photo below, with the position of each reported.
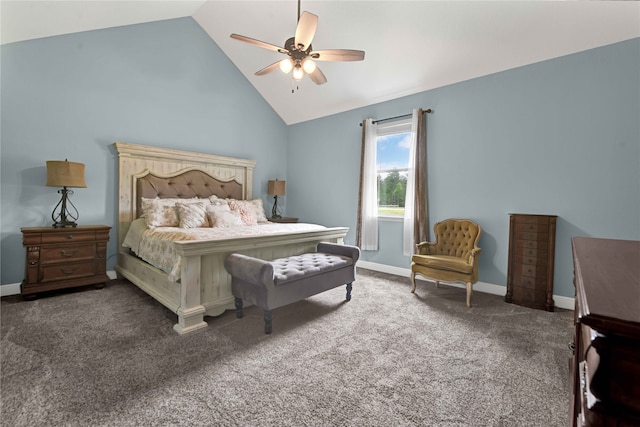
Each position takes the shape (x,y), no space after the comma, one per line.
(386,129)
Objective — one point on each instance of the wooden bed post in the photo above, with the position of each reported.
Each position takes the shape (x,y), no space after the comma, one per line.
(191,312)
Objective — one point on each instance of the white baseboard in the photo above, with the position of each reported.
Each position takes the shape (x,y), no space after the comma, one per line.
(10,289)
(14,288)
(488,288)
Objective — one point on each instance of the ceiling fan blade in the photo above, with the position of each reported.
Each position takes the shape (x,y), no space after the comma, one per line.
(259,43)
(268,69)
(337,55)
(318,77)
(305,30)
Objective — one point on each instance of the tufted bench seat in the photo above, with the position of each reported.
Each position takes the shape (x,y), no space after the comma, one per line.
(273,284)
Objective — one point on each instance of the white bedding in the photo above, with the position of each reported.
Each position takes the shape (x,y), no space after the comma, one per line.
(155,246)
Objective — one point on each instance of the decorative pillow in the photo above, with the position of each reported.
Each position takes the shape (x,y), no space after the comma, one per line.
(221,216)
(246,209)
(259,210)
(215,200)
(192,215)
(162,212)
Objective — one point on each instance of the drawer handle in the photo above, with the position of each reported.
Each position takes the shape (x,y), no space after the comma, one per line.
(64,253)
(69,236)
(33,262)
(73,270)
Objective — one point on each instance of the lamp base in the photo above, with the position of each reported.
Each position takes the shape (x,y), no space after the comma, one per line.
(64,217)
(64,224)
(274,211)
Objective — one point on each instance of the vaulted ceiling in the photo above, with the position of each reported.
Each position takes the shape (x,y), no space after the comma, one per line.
(411,46)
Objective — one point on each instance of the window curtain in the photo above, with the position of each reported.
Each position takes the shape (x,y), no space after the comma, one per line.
(416,219)
(367,226)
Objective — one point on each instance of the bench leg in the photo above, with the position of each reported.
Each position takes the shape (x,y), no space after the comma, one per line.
(268,316)
(349,291)
(239,313)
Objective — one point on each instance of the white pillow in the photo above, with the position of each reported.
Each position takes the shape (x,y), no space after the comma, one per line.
(192,215)
(215,200)
(259,210)
(221,216)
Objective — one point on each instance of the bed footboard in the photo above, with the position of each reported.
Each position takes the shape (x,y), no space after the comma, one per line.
(205,286)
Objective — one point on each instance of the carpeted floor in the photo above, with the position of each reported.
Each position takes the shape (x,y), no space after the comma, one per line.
(110,357)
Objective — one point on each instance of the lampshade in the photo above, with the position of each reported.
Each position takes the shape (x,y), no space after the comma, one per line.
(62,173)
(276,188)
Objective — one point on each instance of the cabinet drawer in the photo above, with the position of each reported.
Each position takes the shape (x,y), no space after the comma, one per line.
(69,236)
(531,219)
(532,243)
(539,252)
(532,260)
(529,281)
(67,271)
(532,236)
(535,227)
(62,253)
(524,295)
(529,270)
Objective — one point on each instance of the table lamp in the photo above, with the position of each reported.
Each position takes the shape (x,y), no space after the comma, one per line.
(62,173)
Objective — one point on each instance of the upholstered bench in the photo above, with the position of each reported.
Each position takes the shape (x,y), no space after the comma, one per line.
(273,284)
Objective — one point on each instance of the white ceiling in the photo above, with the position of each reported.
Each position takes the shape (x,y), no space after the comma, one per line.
(411,46)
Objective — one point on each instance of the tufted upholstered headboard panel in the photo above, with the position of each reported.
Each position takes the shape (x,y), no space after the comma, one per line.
(147,171)
(187,185)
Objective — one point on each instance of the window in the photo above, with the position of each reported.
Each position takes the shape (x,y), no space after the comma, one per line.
(393,144)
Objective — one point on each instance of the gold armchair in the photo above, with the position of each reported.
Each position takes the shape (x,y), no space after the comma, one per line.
(453,257)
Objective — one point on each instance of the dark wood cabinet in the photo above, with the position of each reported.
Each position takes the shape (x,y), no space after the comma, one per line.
(58,258)
(605,366)
(532,241)
(284,219)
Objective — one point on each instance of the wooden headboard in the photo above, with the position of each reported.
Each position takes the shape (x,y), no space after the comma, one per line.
(145,171)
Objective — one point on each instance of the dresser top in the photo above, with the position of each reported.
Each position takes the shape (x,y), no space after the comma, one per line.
(607,280)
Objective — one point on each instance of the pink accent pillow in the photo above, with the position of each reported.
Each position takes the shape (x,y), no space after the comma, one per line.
(246,209)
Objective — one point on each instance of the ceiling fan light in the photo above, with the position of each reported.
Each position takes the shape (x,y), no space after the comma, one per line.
(308,65)
(298,74)
(286,65)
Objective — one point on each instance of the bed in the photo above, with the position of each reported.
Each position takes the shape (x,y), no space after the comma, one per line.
(202,286)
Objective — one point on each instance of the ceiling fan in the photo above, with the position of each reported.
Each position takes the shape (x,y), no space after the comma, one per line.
(300,54)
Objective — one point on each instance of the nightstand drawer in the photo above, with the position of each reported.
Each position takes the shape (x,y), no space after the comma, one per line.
(49,255)
(69,237)
(67,271)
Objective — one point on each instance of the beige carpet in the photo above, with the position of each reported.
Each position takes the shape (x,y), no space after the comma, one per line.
(109,357)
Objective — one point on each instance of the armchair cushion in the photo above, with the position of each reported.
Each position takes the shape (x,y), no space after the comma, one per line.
(443,262)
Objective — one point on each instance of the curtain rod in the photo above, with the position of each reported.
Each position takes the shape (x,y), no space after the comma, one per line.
(427,111)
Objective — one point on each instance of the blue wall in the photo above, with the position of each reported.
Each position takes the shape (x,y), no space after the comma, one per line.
(559,137)
(165,84)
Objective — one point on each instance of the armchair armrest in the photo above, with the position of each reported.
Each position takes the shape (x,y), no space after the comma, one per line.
(424,248)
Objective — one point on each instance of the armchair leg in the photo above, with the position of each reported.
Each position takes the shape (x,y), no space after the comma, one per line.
(413,282)
(469,290)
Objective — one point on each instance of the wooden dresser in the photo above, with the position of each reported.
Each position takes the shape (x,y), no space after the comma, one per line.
(60,258)
(532,242)
(605,367)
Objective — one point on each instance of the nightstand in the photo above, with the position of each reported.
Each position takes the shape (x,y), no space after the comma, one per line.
(59,258)
(283,219)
